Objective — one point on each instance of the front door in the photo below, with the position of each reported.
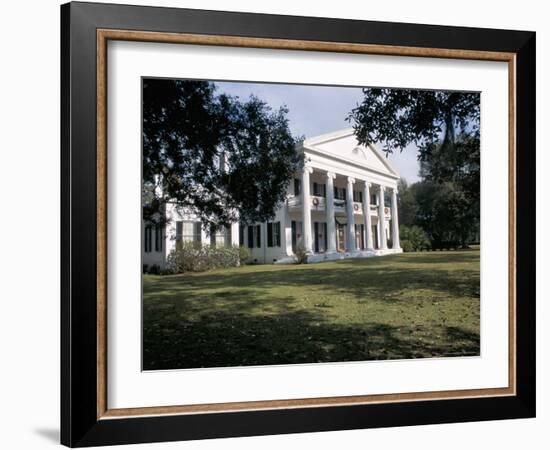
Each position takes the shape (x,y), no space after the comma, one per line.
(341,241)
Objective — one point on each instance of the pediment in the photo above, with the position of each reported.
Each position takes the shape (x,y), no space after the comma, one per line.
(343,145)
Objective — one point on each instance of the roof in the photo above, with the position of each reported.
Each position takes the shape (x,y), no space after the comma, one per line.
(343,145)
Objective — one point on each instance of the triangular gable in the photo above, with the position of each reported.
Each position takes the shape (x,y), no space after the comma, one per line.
(343,145)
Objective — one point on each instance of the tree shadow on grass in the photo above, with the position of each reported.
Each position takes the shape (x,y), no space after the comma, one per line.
(259,316)
(359,279)
(222,340)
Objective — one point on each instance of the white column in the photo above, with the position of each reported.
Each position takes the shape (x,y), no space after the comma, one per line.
(306,211)
(394,220)
(382,219)
(287,230)
(351,218)
(235,234)
(329,207)
(366,216)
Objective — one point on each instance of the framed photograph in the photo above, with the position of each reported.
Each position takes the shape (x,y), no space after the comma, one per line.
(276,224)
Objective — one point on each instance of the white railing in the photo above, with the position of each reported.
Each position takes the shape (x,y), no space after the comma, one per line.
(318,203)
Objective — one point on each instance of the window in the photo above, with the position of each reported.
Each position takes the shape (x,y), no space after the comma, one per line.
(319,189)
(277,233)
(274,234)
(357,196)
(187,231)
(339,193)
(373,200)
(296,234)
(259,236)
(227,236)
(147,236)
(297,186)
(158,238)
(217,237)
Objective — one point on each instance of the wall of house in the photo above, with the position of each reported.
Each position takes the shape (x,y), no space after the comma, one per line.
(265,254)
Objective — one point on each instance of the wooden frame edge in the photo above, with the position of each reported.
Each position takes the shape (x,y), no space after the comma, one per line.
(103,36)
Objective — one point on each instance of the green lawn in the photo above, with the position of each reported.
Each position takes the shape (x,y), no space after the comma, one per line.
(412,305)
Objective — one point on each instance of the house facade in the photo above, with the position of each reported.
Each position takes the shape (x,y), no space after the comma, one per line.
(343,204)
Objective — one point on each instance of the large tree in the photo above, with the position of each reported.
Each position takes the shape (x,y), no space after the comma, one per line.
(398,117)
(444,127)
(225,158)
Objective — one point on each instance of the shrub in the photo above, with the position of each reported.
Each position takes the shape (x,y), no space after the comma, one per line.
(194,257)
(153,269)
(244,255)
(406,245)
(301,254)
(413,239)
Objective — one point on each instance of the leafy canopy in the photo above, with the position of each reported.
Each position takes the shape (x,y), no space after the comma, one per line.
(224,158)
(398,117)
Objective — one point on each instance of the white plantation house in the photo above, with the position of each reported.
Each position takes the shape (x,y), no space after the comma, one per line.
(343,204)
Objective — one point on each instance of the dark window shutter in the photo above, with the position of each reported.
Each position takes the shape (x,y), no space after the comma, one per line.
(269,234)
(158,238)
(278,234)
(250,236)
(259,235)
(296,186)
(293,227)
(197,232)
(147,243)
(241,234)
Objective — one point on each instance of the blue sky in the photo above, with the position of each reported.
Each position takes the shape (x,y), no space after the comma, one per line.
(315,110)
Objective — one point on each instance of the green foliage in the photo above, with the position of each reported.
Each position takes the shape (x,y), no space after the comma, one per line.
(153,269)
(195,257)
(413,239)
(244,255)
(221,156)
(406,203)
(444,126)
(445,214)
(398,117)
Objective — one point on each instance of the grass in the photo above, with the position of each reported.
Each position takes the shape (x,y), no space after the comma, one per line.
(413,305)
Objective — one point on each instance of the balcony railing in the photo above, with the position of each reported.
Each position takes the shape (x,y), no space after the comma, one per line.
(318,203)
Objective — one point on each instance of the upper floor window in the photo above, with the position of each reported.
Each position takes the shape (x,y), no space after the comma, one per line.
(339,193)
(319,189)
(373,199)
(357,196)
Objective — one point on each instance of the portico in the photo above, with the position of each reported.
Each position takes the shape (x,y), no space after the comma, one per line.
(344,201)
(343,218)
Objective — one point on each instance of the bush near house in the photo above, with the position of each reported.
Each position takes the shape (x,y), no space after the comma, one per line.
(195,257)
(413,239)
